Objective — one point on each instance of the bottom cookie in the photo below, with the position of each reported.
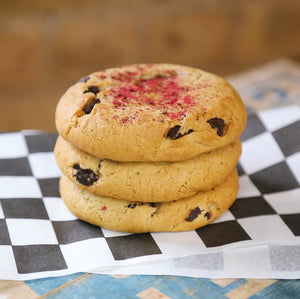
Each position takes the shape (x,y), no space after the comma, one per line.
(136,217)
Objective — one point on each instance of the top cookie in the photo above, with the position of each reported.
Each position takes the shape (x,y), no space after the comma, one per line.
(150,112)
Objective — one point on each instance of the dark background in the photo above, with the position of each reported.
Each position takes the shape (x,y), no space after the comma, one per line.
(46,45)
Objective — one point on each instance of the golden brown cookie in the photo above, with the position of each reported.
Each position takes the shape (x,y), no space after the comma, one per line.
(136,217)
(150,112)
(144,181)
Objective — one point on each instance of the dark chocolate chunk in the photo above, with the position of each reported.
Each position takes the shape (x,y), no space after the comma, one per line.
(193,214)
(132,205)
(217,123)
(88,109)
(155,205)
(175,134)
(207,215)
(92,88)
(76,166)
(84,79)
(85,176)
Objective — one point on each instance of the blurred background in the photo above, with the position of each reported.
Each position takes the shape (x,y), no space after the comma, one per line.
(47,45)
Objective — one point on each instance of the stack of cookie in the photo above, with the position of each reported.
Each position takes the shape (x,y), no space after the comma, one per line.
(149,147)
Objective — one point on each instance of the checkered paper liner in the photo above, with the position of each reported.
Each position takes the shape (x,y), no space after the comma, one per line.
(280,261)
(39,237)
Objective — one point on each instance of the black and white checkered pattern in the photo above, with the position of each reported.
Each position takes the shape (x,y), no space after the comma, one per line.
(38,234)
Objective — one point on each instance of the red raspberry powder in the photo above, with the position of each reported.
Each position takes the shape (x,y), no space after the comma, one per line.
(161,93)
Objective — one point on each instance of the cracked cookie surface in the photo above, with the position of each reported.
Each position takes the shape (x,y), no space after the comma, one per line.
(147,182)
(137,217)
(150,112)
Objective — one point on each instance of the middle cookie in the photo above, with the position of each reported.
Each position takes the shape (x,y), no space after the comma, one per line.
(147,182)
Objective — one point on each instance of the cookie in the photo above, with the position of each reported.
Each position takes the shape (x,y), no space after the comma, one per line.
(150,112)
(144,181)
(135,217)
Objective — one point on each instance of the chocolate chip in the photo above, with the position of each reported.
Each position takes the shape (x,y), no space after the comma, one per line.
(76,166)
(175,134)
(217,123)
(131,205)
(207,215)
(157,207)
(193,214)
(88,109)
(83,79)
(85,176)
(92,88)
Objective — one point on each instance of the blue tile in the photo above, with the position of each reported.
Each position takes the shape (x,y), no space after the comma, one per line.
(175,287)
(44,285)
(280,289)
(187,287)
(232,286)
(106,286)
